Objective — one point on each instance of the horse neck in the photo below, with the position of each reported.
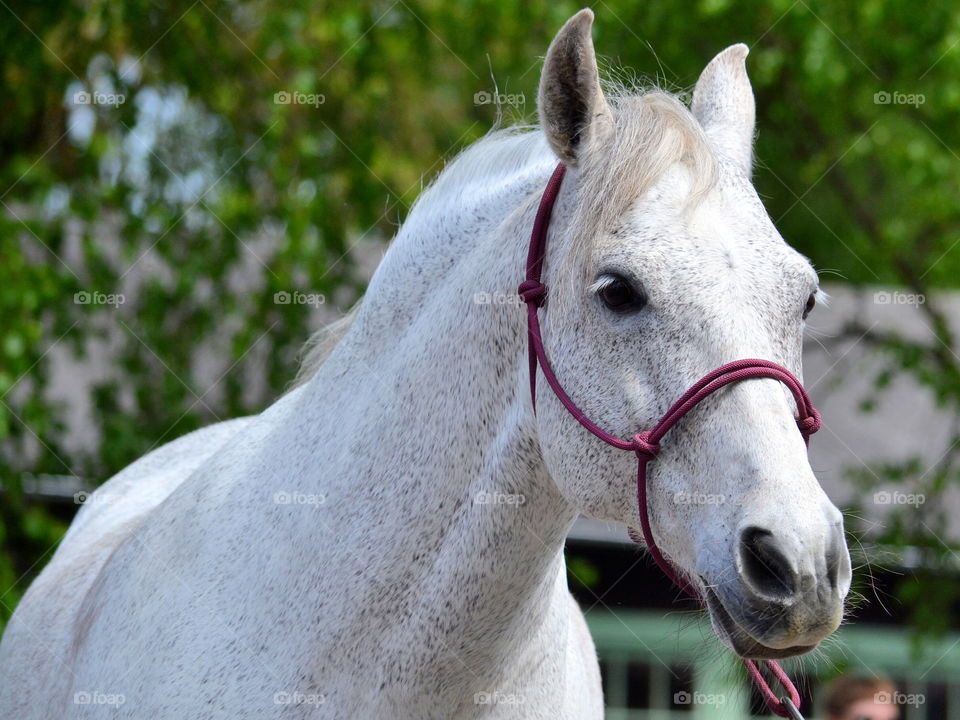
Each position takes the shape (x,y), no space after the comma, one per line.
(434,408)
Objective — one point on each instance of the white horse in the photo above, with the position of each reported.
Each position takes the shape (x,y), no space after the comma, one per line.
(386,541)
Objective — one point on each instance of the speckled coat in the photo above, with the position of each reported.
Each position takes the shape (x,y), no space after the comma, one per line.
(386,541)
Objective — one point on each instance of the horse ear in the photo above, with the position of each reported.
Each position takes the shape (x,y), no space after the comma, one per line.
(571,104)
(723,104)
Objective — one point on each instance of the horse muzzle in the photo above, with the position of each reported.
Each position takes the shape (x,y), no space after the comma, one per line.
(783,601)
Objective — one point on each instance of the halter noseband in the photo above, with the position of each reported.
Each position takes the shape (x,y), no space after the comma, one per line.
(646,444)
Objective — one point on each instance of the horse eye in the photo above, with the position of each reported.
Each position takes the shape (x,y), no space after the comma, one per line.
(620,296)
(811,301)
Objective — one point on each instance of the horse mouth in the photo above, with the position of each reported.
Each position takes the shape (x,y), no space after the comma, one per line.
(740,640)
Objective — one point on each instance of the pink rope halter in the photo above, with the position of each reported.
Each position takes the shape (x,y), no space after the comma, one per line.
(646,445)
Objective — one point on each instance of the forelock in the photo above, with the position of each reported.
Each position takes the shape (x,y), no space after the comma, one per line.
(652,132)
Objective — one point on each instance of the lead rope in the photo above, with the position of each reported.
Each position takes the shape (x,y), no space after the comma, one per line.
(646,445)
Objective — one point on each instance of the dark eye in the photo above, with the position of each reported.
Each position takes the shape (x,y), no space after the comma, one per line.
(811,301)
(619,295)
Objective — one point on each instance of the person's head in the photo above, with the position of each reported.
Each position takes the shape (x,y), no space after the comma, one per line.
(860,698)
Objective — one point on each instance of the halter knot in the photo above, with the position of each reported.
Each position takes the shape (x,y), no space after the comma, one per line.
(644,447)
(811,423)
(532,291)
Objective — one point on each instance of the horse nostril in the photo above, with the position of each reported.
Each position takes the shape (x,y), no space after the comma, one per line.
(763,565)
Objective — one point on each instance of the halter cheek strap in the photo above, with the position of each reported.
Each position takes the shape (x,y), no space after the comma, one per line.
(646,444)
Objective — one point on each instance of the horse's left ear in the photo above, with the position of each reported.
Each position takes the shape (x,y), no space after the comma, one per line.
(723,104)
(573,110)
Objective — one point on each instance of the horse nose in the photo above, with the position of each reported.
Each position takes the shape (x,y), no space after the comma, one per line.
(764,566)
(771,569)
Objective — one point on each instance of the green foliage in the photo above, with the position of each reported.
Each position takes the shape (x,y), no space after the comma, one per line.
(200,177)
(582,573)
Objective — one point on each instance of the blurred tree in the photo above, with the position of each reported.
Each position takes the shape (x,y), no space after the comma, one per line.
(257,143)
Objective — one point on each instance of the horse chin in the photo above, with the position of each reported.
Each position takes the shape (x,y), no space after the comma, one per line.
(735,637)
